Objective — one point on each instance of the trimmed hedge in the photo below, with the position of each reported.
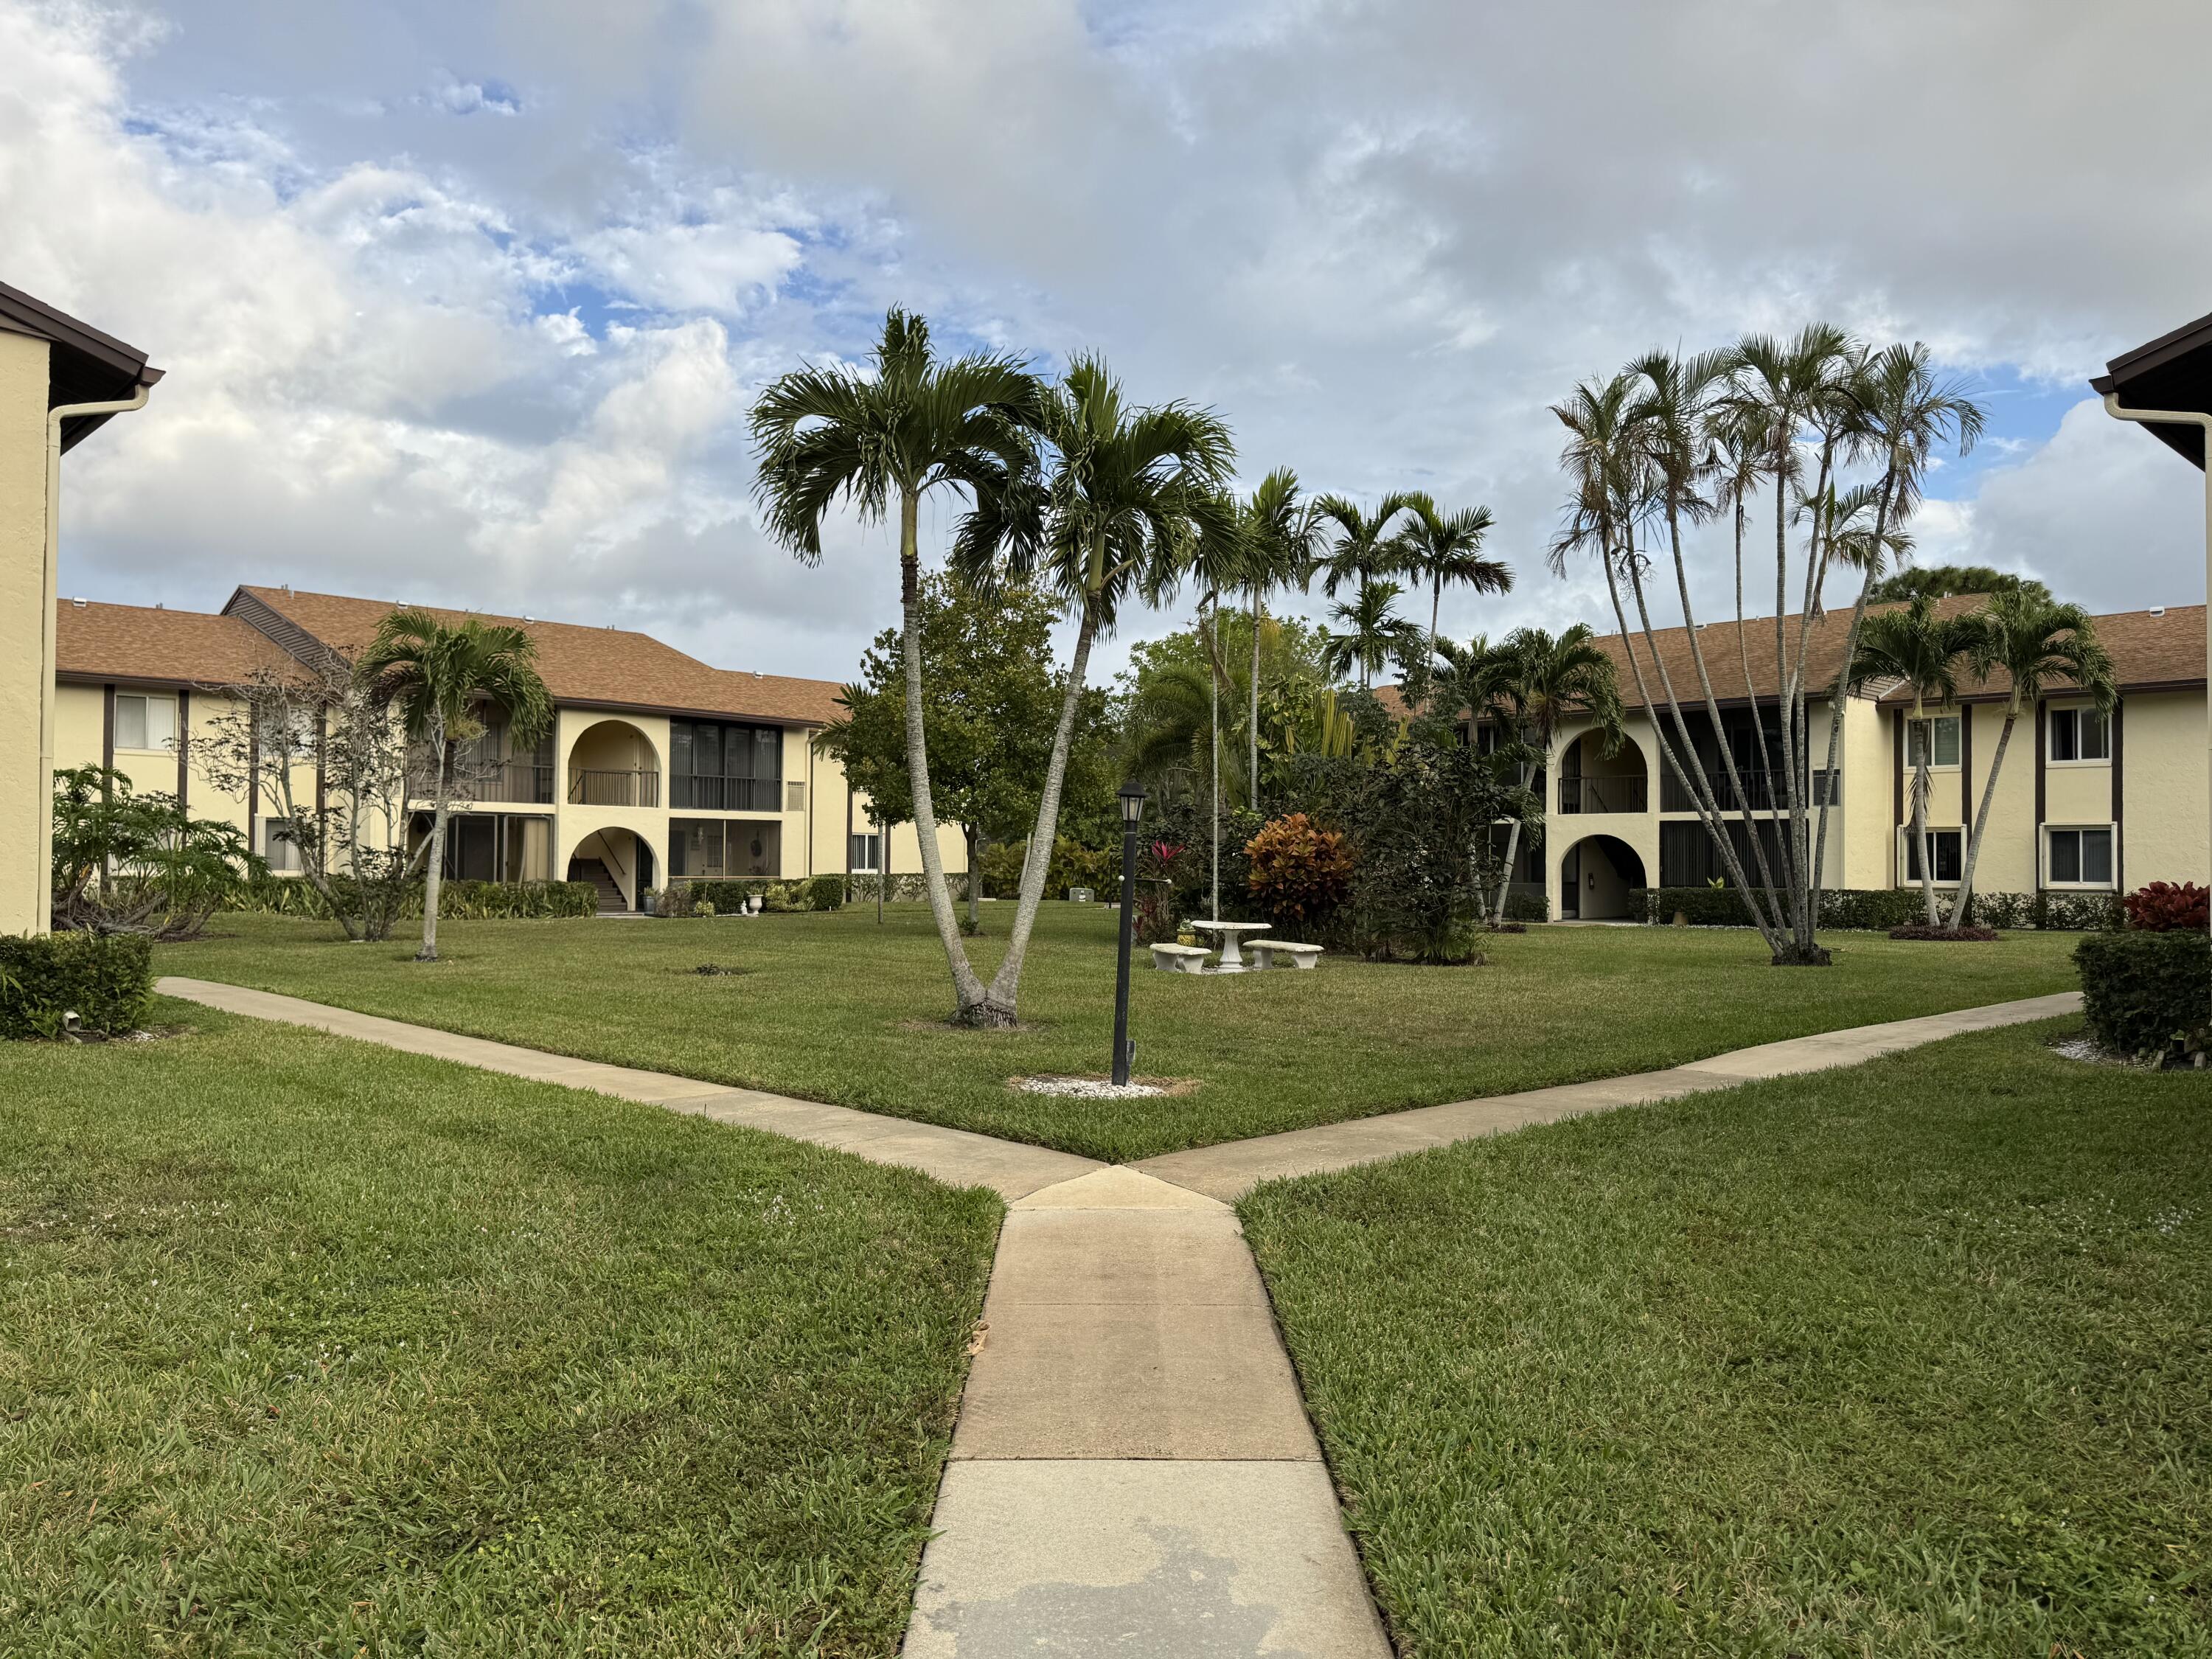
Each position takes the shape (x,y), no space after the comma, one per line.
(458,901)
(106,979)
(2149,995)
(1878,909)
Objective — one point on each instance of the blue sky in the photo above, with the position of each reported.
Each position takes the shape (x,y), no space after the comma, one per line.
(467,303)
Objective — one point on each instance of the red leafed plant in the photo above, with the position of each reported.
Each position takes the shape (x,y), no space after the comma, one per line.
(1300,873)
(2166,906)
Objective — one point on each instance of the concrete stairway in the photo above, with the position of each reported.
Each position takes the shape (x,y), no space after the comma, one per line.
(611,895)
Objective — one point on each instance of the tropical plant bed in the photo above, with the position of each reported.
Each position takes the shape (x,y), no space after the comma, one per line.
(308,1347)
(836,1008)
(1910,1357)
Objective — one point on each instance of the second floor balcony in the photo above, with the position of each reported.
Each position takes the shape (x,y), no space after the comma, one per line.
(1763,791)
(1604,795)
(607,786)
(714,794)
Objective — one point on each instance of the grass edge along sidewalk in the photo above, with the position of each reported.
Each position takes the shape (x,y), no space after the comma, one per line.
(1905,1357)
(306,1339)
(829,1008)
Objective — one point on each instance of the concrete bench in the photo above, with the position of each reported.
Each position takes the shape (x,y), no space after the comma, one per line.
(1180,958)
(1265,950)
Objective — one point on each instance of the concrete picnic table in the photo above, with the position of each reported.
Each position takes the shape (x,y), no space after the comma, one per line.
(1232,959)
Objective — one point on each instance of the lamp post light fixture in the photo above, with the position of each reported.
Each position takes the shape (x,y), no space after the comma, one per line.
(1131,797)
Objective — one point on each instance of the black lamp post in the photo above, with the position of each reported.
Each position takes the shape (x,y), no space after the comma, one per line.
(1132,798)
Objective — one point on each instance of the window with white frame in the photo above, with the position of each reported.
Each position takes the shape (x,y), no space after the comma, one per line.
(1946,847)
(865,854)
(1943,754)
(2079,734)
(280,847)
(145,722)
(2077,856)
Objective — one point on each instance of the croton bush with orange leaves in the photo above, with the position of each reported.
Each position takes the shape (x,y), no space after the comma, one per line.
(1300,873)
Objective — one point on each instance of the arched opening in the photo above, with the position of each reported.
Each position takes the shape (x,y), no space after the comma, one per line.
(619,862)
(1591,781)
(612,763)
(1596,877)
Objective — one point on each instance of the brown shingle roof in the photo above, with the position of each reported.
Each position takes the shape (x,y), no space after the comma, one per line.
(2148,652)
(608,666)
(175,648)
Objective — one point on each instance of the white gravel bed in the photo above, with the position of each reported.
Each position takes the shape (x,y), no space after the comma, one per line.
(1087,1088)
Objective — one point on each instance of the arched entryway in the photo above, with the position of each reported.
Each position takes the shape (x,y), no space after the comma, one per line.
(612,763)
(1595,879)
(619,862)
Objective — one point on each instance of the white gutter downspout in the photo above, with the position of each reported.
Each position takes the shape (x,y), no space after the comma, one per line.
(49,588)
(2202,422)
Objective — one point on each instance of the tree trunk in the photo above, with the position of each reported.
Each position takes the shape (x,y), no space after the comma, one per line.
(1921,784)
(1513,835)
(1252,778)
(1213,626)
(1965,894)
(1436,603)
(974,875)
(1005,984)
(434,869)
(970,998)
(1843,681)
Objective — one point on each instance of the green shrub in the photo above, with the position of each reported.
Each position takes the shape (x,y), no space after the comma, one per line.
(458,901)
(1878,909)
(2147,994)
(825,893)
(106,979)
(2076,913)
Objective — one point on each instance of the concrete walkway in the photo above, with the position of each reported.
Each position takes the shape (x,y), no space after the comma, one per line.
(1133,1472)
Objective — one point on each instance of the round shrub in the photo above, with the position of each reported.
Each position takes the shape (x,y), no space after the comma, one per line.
(1300,873)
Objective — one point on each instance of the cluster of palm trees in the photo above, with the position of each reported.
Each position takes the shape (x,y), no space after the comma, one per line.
(1838,435)
(1071,488)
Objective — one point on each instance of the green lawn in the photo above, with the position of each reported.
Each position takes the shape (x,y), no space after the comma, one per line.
(833,1008)
(308,1347)
(1912,1358)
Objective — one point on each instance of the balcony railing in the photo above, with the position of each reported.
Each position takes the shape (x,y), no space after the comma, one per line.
(1623,794)
(1766,792)
(517,782)
(596,788)
(703,794)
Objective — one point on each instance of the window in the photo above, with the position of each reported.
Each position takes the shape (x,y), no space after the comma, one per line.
(1948,845)
(865,854)
(145,722)
(2080,734)
(1945,753)
(726,769)
(2078,857)
(279,847)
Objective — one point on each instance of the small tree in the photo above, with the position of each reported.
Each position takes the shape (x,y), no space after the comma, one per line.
(437,677)
(171,870)
(1420,827)
(351,833)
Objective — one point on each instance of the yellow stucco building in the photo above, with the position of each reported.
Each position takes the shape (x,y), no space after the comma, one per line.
(659,769)
(60,379)
(2085,802)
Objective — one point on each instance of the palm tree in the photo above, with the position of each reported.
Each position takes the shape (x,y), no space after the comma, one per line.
(881,441)
(1280,532)
(436,677)
(2032,639)
(1611,487)
(1217,563)
(1118,504)
(1373,634)
(1920,646)
(1903,412)
(1444,550)
(1534,683)
(1363,549)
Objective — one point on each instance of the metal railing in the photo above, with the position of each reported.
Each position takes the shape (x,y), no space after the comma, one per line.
(598,788)
(1765,792)
(1601,794)
(517,782)
(704,794)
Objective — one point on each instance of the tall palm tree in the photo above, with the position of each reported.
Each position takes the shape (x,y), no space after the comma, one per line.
(1362,549)
(1534,683)
(1373,634)
(1611,487)
(2032,641)
(1903,411)
(880,442)
(1216,564)
(1445,550)
(1920,646)
(1281,529)
(436,678)
(1117,504)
